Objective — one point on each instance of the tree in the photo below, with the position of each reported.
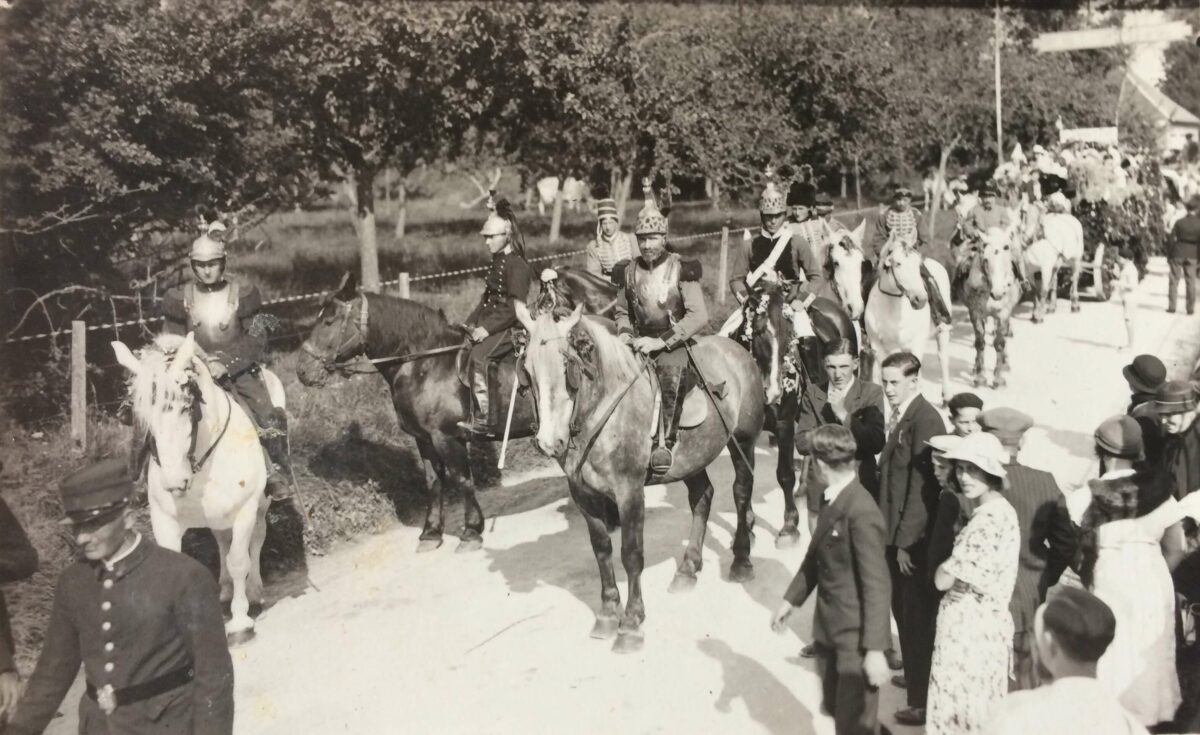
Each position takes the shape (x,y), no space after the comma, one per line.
(1182,81)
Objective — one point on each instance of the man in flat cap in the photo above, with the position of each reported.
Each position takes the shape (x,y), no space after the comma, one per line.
(144,622)
(1048,540)
(1144,376)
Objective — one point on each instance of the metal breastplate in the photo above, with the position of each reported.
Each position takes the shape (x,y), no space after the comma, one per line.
(654,296)
(213,315)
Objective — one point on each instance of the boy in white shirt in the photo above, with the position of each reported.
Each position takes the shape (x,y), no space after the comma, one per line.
(1127,283)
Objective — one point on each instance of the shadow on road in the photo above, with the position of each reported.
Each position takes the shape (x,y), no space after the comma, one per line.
(767,699)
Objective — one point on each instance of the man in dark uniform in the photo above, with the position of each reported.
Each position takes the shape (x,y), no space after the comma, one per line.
(225,317)
(1183,255)
(659,309)
(1048,540)
(490,325)
(144,622)
(18,560)
(903,220)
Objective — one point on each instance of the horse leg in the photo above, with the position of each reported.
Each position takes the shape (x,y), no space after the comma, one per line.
(700,496)
(742,570)
(224,537)
(785,473)
(942,335)
(254,588)
(633,520)
(1000,342)
(240,628)
(599,529)
(979,324)
(435,470)
(1076,267)
(456,470)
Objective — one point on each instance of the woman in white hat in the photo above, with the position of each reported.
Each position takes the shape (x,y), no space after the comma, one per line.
(974,626)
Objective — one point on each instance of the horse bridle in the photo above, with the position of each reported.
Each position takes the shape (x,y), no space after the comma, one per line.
(195,414)
(886,266)
(330,362)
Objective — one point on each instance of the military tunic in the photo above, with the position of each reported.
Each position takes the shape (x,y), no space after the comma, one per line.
(603,254)
(664,301)
(981,219)
(906,225)
(797,259)
(155,613)
(508,277)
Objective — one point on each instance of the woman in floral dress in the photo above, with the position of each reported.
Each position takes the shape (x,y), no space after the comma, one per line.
(974,627)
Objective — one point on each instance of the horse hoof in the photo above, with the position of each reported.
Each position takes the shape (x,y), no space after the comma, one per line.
(979,381)
(787,538)
(683,582)
(468,545)
(239,638)
(1074,308)
(605,628)
(1000,382)
(428,544)
(741,571)
(629,641)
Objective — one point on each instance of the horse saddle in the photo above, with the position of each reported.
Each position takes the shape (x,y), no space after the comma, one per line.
(696,406)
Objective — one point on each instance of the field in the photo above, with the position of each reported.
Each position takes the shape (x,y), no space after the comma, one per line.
(357,472)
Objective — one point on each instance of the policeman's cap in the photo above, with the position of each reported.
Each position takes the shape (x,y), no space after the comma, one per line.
(97,491)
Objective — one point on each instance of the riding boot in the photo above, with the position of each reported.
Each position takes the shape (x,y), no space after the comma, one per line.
(274,438)
(669,384)
(482,413)
(937,302)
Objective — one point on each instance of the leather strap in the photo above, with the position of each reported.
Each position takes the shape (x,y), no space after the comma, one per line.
(146,690)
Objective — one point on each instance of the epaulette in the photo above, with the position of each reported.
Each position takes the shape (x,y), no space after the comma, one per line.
(249,299)
(172,306)
(617,275)
(690,270)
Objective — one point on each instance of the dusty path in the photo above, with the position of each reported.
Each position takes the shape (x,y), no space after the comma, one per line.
(497,641)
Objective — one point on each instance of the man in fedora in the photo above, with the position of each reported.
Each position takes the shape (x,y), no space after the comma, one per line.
(1183,249)
(1144,376)
(144,622)
(1048,540)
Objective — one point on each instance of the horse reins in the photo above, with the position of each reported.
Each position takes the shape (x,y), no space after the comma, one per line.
(332,363)
(211,447)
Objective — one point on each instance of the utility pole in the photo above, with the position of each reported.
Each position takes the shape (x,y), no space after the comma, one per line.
(999,117)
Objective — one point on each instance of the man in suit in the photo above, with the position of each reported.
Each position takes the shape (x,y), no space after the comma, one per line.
(850,402)
(1048,540)
(18,560)
(845,562)
(908,497)
(143,622)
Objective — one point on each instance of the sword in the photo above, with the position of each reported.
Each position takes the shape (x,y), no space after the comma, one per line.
(716,406)
(512,402)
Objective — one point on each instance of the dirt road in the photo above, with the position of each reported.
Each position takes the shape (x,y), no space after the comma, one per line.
(389,641)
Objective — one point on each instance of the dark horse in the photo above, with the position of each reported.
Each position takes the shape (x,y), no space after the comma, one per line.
(788,366)
(427,394)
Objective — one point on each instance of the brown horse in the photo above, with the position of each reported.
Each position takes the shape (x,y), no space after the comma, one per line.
(990,289)
(596,401)
(427,394)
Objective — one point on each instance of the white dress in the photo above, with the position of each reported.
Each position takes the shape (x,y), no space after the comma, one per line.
(1133,579)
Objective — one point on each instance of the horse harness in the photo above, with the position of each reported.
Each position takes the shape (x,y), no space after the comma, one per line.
(195,414)
(360,333)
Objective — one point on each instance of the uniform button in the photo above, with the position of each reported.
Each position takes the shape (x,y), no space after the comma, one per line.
(108,667)
(106,626)
(106,606)
(108,646)
(108,583)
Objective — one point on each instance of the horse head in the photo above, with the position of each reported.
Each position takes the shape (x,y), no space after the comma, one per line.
(167,399)
(767,313)
(995,247)
(339,334)
(900,267)
(553,361)
(844,265)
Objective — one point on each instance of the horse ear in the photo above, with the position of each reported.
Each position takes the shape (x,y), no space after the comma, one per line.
(126,358)
(570,321)
(184,355)
(856,235)
(346,289)
(523,315)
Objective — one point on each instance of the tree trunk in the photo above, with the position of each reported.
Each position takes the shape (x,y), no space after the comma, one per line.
(360,189)
(715,194)
(401,208)
(623,193)
(843,184)
(529,192)
(614,183)
(556,218)
(943,159)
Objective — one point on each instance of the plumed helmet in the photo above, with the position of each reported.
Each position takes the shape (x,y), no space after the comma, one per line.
(650,221)
(494,224)
(802,194)
(210,245)
(772,200)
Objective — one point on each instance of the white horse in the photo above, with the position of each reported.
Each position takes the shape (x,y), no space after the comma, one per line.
(208,470)
(898,316)
(1057,240)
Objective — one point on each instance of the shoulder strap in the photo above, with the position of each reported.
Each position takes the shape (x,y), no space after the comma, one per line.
(189,295)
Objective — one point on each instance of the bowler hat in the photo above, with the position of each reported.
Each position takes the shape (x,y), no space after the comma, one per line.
(1120,436)
(1006,424)
(1175,396)
(983,451)
(99,489)
(1145,374)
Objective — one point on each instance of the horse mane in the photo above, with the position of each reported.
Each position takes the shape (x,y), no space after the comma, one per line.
(398,324)
(147,392)
(598,346)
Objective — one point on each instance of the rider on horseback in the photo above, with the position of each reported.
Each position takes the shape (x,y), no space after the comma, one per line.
(659,309)
(985,216)
(611,245)
(491,324)
(780,254)
(225,317)
(901,220)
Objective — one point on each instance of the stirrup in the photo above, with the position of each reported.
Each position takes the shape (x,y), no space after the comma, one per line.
(661,459)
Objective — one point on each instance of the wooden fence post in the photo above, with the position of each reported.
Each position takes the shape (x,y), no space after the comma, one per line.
(857,185)
(79,387)
(403,286)
(723,271)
